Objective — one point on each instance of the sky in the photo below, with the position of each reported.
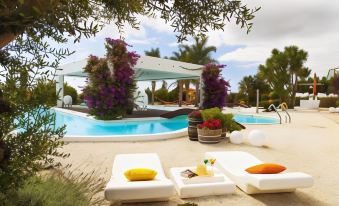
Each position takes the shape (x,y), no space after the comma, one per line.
(311,25)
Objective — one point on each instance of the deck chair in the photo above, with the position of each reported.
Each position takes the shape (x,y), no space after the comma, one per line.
(234,163)
(122,190)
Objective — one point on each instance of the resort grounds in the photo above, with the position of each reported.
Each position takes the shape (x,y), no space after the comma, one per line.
(309,144)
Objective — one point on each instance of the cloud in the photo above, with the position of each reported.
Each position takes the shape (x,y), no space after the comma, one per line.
(310,24)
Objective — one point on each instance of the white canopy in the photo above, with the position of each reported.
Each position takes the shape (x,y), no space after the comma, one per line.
(147,68)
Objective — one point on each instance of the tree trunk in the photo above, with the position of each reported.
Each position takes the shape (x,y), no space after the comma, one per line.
(180,93)
(6,39)
(153,92)
(295,86)
(187,88)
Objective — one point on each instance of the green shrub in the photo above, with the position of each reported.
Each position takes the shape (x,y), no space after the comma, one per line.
(173,95)
(162,94)
(68,90)
(227,120)
(328,101)
(212,113)
(58,188)
(264,97)
(337,103)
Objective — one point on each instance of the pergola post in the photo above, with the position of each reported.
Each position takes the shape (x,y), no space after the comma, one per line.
(180,93)
(153,92)
(201,93)
(197,92)
(60,90)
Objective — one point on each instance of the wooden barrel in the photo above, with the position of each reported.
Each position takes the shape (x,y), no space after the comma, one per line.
(192,128)
(223,133)
(209,136)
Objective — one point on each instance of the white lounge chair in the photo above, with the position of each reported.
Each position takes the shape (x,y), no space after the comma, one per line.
(233,164)
(122,190)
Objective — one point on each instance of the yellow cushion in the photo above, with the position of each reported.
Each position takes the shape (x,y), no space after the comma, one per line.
(266,168)
(140,174)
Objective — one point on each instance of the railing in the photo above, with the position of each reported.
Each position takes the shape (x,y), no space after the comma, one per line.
(283,106)
(275,109)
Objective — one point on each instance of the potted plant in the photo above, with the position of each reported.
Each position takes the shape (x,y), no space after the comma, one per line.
(194,118)
(210,131)
(227,122)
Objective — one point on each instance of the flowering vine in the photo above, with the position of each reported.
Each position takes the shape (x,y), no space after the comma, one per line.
(214,86)
(111,84)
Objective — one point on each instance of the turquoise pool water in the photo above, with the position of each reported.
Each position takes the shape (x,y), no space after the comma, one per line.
(82,126)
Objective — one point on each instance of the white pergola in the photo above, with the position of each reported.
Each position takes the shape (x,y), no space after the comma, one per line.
(147,69)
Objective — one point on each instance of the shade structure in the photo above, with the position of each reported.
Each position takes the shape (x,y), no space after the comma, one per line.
(147,69)
(314,84)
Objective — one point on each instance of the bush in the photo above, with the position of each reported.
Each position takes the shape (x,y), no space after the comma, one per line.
(58,188)
(227,120)
(71,91)
(337,104)
(162,94)
(173,95)
(232,98)
(328,101)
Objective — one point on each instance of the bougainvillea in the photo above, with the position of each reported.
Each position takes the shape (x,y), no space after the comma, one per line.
(214,86)
(111,84)
(196,114)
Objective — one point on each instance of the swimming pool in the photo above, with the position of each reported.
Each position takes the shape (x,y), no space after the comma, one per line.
(78,125)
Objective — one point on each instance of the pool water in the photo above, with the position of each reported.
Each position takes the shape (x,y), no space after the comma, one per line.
(82,126)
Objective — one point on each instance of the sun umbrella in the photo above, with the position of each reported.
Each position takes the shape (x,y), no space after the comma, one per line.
(314,84)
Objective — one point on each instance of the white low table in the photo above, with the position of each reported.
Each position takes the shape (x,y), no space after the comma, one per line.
(226,186)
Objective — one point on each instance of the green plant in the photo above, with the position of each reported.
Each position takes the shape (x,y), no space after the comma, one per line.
(71,91)
(230,124)
(57,188)
(28,133)
(46,87)
(328,101)
(162,94)
(282,71)
(227,120)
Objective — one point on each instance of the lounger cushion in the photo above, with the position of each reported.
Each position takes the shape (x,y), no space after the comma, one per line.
(119,188)
(140,174)
(266,168)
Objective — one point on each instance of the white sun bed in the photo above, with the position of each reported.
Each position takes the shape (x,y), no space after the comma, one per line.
(121,189)
(233,164)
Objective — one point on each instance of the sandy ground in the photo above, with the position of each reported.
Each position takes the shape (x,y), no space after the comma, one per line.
(309,144)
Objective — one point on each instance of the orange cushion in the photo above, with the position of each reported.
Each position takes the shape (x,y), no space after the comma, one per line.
(266,168)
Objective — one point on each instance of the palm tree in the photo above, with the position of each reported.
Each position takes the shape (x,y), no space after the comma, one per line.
(197,53)
(153,53)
